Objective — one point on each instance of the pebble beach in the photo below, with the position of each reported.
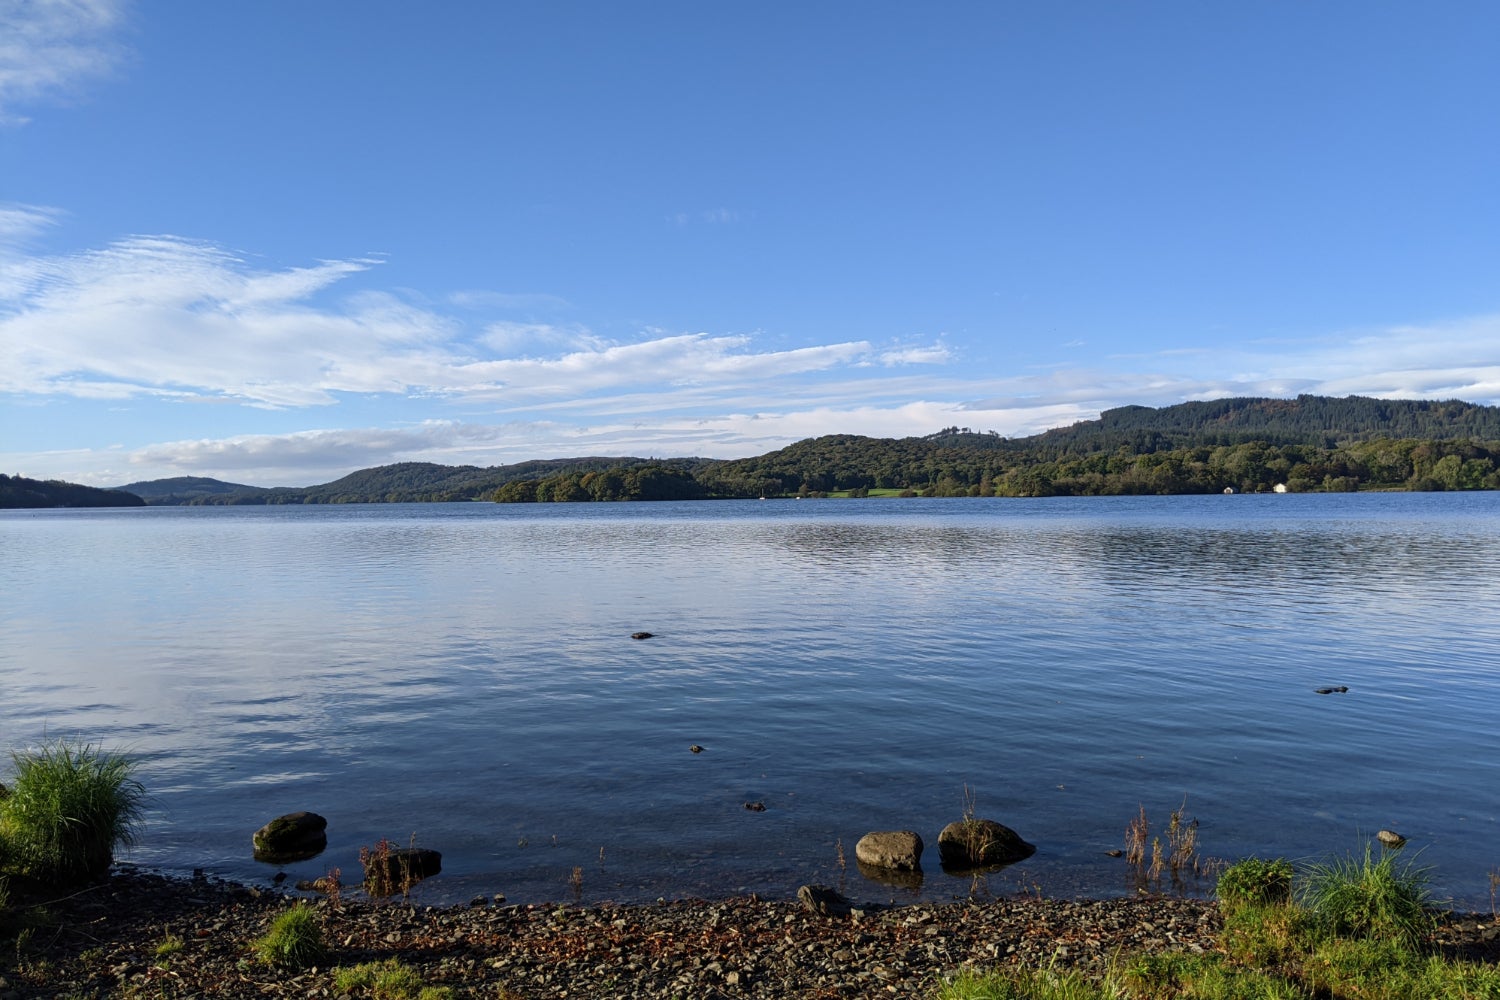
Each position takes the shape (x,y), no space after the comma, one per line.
(104,940)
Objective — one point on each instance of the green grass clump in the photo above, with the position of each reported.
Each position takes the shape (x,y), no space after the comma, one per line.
(1256,882)
(68,809)
(388,980)
(1378,899)
(294,941)
(1385,970)
(1024,984)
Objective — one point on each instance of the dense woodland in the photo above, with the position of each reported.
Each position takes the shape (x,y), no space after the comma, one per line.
(1311,443)
(18,492)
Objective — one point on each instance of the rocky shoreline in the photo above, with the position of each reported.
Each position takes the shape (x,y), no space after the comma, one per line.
(104,941)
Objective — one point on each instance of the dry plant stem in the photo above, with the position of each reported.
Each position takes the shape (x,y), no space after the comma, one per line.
(1136,833)
(1157,860)
(838,848)
(1182,841)
(334,886)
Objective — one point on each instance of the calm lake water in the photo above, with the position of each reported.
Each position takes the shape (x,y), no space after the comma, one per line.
(463,675)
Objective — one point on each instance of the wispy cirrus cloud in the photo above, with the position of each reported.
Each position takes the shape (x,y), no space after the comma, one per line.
(163,316)
(51,48)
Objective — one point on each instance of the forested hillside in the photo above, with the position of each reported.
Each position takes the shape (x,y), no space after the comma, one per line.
(1245,445)
(404,482)
(1321,420)
(20,492)
(184,489)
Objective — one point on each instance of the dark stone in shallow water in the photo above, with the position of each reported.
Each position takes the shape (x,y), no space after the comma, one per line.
(642,635)
(294,837)
(1332,690)
(397,870)
(980,843)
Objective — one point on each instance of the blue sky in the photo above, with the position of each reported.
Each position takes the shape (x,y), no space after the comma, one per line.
(277,242)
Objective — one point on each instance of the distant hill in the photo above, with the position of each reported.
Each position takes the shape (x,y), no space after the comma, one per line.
(403,482)
(184,489)
(20,492)
(1310,442)
(1321,420)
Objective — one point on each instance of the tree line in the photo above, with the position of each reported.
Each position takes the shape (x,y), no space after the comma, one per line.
(927,467)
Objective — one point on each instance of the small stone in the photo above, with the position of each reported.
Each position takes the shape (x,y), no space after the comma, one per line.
(1391,839)
(1340,689)
(756,807)
(642,635)
(696,748)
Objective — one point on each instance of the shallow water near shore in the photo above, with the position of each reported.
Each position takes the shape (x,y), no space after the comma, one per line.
(463,675)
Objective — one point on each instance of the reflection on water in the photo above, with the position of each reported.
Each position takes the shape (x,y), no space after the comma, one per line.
(464,674)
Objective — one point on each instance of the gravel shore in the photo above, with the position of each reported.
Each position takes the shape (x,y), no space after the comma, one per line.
(103,941)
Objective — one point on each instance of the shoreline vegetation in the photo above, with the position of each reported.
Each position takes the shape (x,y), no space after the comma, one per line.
(1243,445)
(73,925)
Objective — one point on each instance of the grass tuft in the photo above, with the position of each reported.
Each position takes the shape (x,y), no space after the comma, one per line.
(295,940)
(1369,897)
(1025,984)
(68,809)
(387,980)
(1256,882)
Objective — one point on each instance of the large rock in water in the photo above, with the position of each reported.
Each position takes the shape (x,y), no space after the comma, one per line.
(900,850)
(976,843)
(294,837)
(824,901)
(398,869)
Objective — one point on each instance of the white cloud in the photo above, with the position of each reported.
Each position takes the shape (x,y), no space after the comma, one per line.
(49,48)
(162,316)
(936,354)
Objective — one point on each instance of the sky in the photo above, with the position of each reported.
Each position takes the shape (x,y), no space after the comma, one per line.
(277,242)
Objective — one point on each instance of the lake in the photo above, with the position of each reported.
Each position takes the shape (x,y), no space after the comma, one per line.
(463,676)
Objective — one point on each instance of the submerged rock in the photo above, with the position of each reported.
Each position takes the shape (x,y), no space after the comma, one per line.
(294,837)
(1391,839)
(1340,689)
(642,635)
(977,843)
(900,850)
(824,901)
(398,869)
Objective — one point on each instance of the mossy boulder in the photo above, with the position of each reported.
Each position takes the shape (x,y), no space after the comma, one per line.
(981,843)
(294,837)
